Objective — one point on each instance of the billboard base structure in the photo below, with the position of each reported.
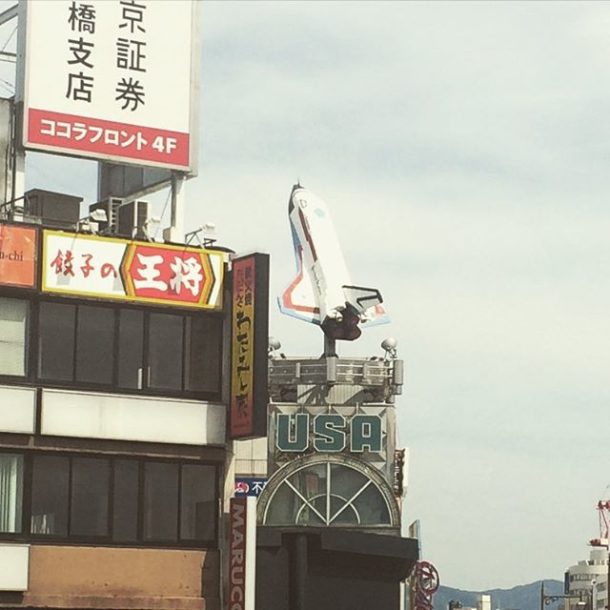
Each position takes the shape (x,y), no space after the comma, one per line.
(330,568)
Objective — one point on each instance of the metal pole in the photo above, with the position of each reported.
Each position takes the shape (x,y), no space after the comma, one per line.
(250,576)
(542,595)
(175,232)
(330,346)
(608,584)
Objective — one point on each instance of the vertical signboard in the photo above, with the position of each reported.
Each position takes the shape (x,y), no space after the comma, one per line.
(249,340)
(237,554)
(18,256)
(114,79)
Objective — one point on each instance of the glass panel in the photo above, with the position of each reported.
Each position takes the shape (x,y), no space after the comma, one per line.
(284,507)
(160,501)
(50,480)
(301,499)
(13,332)
(94,344)
(311,483)
(203,353)
(165,351)
(346,481)
(372,507)
(305,499)
(198,503)
(11,492)
(125,498)
(57,341)
(342,512)
(89,506)
(131,341)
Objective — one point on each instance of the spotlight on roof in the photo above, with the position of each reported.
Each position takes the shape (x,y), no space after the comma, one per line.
(389,346)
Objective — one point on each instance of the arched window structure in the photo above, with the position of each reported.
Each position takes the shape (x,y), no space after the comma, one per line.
(328,491)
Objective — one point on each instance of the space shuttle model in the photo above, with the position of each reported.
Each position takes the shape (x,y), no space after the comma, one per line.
(322,292)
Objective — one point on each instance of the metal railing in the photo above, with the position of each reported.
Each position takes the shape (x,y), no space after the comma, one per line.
(382,378)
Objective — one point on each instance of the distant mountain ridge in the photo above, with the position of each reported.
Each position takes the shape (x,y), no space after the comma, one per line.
(521,597)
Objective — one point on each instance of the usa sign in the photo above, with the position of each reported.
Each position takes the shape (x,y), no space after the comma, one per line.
(104,267)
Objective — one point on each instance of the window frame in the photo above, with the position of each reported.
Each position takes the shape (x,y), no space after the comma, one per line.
(108,539)
(19,501)
(29,350)
(33,356)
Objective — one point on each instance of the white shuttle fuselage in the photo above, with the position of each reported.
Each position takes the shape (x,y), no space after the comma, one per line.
(322,292)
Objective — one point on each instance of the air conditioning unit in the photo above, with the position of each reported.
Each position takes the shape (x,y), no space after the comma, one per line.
(111,207)
(55,210)
(133,217)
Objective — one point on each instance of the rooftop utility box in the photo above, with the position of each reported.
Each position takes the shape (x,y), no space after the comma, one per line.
(132,219)
(111,206)
(51,209)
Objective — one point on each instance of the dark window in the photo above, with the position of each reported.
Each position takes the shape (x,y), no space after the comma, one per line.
(50,482)
(89,498)
(165,351)
(13,336)
(131,348)
(198,502)
(160,501)
(94,344)
(57,341)
(121,348)
(125,501)
(203,353)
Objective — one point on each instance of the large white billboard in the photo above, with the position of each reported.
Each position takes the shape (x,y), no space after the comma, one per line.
(111,79)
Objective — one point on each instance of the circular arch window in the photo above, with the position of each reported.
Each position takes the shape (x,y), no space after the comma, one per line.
(328,491)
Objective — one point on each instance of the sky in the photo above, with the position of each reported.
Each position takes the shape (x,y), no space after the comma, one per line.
(464,151)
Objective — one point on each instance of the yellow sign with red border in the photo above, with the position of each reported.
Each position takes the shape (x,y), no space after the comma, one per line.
(147,272)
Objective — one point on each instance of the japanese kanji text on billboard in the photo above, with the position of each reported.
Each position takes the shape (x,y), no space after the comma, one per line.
(110,79)
(87,265)
(249,340)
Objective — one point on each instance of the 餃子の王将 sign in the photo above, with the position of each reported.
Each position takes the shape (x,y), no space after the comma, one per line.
(104,267)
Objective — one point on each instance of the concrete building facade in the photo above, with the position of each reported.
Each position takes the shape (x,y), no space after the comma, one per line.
(113,454)
(587,581)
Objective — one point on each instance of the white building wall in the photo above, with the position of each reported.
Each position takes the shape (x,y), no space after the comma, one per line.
(17,410)
(14,567)
(132,418)
(251,457)
(484,602)
(588,579)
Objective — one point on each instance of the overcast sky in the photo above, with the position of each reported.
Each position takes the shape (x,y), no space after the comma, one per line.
(464,152)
